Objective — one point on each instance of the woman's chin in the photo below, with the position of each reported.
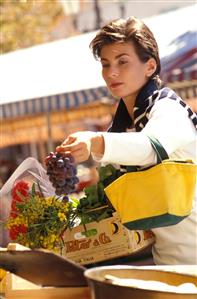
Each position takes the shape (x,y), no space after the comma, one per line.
(116,95)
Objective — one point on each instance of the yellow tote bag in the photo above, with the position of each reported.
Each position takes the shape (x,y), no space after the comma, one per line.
(159,196)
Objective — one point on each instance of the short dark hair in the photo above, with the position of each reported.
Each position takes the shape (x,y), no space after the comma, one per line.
(129,30)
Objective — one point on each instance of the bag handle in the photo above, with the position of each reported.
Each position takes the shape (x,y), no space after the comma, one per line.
(159,149)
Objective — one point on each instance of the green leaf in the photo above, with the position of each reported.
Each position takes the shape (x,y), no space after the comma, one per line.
(106,172)
(91,193)
(90,190)
(101,192)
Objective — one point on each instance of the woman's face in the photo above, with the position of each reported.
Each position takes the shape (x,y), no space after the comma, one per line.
(123,71)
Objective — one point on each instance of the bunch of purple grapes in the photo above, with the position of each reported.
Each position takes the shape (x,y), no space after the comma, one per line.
(62,172)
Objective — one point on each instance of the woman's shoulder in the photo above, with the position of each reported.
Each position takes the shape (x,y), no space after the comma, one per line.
(169,103)
(169,94)
(166,104)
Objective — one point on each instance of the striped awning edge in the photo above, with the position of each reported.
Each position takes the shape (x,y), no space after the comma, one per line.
(52,103)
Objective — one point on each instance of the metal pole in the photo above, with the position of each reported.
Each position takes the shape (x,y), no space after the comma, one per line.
(50,145)
(98,15)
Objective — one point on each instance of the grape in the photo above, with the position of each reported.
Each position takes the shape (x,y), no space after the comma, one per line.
(60,163)
(61,183)
(62,173)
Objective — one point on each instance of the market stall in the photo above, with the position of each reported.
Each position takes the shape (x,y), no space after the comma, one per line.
(50,90)
(44,118)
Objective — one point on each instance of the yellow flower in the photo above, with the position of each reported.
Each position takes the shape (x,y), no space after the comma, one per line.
(48,201)
(61,216)
(52,238)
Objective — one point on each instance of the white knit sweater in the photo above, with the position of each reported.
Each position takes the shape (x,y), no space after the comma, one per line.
(169,123)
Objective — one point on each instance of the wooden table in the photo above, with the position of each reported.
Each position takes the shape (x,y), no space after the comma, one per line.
(18,288)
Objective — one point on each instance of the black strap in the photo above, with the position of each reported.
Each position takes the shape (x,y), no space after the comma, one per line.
(159,149)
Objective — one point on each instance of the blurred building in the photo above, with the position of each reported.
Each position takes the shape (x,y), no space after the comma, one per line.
(90,15)
(84,16)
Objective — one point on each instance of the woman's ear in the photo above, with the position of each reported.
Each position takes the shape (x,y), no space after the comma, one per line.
(151,67)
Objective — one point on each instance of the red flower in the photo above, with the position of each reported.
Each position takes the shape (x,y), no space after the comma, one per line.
(19,192)
(16,230)
(14,212)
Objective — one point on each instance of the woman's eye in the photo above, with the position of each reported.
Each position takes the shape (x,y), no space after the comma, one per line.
(105,65)
(122,61)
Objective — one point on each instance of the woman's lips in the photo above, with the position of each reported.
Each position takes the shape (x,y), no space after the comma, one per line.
(115,85)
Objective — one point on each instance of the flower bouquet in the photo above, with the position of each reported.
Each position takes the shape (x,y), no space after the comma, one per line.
(39,221)
(36,221)
(30,171)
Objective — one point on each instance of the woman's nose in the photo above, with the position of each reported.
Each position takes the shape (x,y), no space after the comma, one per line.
(113,73)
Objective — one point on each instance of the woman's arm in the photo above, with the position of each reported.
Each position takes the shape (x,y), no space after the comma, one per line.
(168,123)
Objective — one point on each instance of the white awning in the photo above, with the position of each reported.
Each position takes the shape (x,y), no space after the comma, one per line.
(50,77)
(58,67)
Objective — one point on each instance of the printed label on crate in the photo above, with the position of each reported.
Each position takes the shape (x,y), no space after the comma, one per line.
(99,241)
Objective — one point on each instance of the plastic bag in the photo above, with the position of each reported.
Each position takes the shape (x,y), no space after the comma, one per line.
(30,170)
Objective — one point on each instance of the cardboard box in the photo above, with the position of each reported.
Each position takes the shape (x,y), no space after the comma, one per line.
(104,240)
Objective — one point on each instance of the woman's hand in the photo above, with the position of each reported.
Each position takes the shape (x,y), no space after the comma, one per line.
(81,144)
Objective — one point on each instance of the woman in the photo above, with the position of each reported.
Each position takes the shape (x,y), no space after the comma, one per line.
(130,67)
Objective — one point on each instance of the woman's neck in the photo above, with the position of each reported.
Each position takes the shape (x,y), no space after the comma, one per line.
(129,103)
(130,100)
